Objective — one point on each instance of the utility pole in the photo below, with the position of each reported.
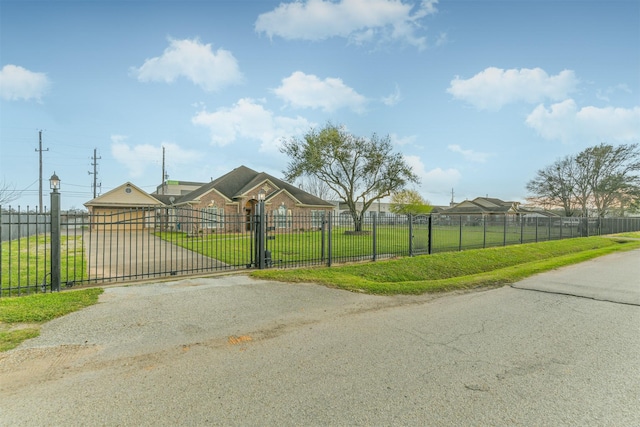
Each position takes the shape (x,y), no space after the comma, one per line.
(40,150)
(95,173)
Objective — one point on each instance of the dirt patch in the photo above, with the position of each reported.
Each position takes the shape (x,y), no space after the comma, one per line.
(19,368)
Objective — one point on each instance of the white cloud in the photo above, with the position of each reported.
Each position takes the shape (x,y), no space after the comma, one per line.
(393,99)
(19,83)
(302,90)
(402,141)
(358,20)
(493,87)
(564,121)
(603,95)
(249,119)
(470,155)
(194,61)
(438,178)
(434,180)
(137,158)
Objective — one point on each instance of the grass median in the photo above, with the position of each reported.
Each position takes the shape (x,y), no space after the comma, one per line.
(21,317)
(456,270)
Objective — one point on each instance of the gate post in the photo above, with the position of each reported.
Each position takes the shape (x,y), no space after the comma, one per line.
(410,219)
(430,231)
(260,230)
(55,233)
(375,232)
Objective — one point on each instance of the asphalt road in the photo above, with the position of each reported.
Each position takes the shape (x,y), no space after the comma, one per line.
(234,351)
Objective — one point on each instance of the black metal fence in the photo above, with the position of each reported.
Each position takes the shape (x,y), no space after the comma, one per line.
(152,243)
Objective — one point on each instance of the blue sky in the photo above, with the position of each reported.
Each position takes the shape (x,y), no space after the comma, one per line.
(477,95)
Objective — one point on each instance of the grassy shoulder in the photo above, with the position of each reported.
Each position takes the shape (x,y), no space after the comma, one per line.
(456,270)
(20,317)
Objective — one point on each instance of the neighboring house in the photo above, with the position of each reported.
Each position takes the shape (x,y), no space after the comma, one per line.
(225,204)
(487,206)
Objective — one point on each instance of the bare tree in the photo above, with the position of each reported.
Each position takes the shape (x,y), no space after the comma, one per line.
(612,174)
(317,187)
(8,193)
(601,178)
(553,186)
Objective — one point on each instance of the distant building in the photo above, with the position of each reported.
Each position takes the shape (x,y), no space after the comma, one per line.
(487,206)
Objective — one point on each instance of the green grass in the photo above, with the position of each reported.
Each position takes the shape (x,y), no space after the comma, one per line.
(633,235)
(26,261)
(454,270)
(20,316)
(12,339)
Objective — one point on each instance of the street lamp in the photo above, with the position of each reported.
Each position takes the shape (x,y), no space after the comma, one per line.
(54,183)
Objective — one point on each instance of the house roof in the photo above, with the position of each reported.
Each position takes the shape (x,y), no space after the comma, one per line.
(126,195)
(239,182)
(483,205)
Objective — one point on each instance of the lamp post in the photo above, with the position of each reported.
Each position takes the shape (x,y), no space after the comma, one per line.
(260,229)
(54,184)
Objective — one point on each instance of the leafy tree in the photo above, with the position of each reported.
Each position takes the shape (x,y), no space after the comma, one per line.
(359,170)
(602,178)
(409,202)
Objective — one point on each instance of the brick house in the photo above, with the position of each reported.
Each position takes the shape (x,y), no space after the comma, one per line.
(225,204)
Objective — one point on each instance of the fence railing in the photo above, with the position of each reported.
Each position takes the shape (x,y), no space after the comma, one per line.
(156,243)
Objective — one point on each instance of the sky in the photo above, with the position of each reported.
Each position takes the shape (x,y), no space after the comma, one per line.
(477,95)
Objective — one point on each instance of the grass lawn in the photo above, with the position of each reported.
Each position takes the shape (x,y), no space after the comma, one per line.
(455,270)
(26,261)
(20,317)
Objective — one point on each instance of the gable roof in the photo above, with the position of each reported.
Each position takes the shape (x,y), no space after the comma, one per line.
(125,195)
(483,205)
(241,180)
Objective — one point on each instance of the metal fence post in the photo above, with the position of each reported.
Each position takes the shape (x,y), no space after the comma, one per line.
(504,231)
(375,233)
(329,240)
(323,230)
(55,234)
(261,230)
(460,234)
(430,237)
(521,228)
(484,231)
(410,218)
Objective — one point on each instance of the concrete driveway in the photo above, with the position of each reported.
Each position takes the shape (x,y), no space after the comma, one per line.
(235,351)
(140,254)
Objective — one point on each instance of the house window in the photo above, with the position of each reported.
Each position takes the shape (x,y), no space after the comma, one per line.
(212,217)
(316,218)
(280,217)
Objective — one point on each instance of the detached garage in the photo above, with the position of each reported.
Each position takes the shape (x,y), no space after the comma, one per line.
(125,208)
